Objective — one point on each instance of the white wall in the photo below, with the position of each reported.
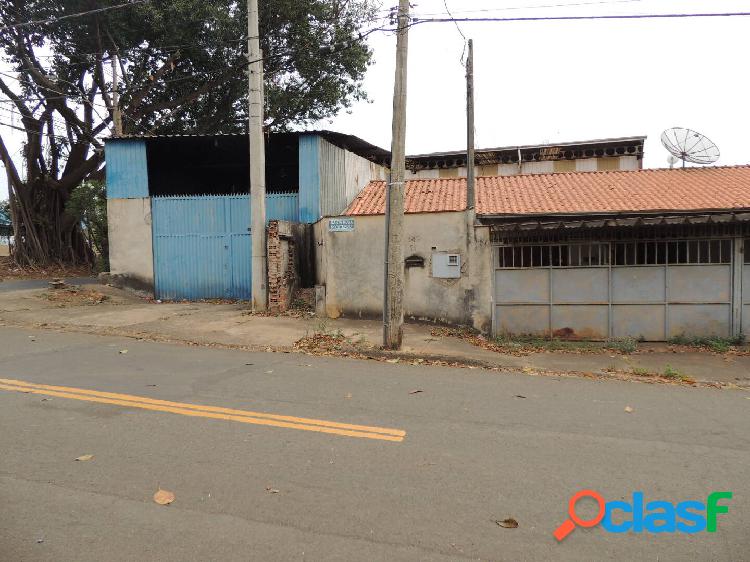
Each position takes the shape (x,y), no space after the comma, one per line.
(350,264)
(131,254)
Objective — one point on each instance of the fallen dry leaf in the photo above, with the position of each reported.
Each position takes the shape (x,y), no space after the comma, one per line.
(509,523)
(391,360)
(163,497)
(85,458)
(416,391)
(271,490)
(123,351)
(520,396)
(629,409)
(349,396)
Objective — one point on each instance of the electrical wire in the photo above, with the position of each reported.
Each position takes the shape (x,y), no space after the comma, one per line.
(580,18)
(534,7)
(71,16)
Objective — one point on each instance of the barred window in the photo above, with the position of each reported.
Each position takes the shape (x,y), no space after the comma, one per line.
(672,252)
(562,255)
(747,252)
(653,252)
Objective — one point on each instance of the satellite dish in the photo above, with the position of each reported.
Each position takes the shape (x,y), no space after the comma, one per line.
(689,146)
(672,160)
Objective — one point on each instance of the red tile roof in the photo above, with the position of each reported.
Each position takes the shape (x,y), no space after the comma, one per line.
(691,189)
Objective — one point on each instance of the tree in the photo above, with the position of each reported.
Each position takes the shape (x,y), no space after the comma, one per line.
(182,65)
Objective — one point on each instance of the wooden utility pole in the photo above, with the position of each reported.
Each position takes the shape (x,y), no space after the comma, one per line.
(116,115)
(393,305)
(470,172)
(257,160)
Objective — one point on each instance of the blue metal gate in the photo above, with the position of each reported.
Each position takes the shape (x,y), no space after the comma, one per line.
(202,244)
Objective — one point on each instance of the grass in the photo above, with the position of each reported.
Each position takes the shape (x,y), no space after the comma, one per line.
(714,343)
(625,345)
(671,373)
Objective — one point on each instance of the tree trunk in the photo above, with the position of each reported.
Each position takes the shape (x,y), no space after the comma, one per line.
(43,232)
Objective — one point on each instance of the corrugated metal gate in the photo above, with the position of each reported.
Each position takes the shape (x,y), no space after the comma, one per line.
(202,244)
(650,289)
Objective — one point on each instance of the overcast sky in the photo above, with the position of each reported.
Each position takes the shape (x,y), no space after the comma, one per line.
(542,82)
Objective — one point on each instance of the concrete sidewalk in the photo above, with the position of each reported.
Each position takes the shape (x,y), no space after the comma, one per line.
(122,313)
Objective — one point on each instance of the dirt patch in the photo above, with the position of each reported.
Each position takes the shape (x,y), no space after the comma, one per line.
(10,271)
(302,306)
(74,296)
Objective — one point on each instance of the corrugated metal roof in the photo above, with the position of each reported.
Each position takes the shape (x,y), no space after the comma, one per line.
(578,193)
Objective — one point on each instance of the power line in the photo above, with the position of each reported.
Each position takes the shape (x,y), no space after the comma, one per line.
(448,11)
(535,7)
(578,18)
(76,15)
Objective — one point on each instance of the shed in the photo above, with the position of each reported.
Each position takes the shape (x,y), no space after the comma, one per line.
(179,206)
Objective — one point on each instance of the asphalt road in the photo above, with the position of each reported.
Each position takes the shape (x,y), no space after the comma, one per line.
(471,448)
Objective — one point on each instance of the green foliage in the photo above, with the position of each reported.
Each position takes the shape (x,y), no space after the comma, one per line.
(538,343)
(88,205)
(671,373)
(185,61)
(713,343)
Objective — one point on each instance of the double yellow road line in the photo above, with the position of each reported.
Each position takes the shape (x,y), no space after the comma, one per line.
(212,412)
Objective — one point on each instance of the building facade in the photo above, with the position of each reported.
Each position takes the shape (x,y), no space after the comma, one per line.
(649,254)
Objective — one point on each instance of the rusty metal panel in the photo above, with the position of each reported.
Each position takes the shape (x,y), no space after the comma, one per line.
(638,284)
(522,319)
(645,321)
(699,283)
(522,286)
(580,321)
(580,285)
(700,319)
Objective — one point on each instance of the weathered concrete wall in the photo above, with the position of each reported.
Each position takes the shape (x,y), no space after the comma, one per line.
(626,162)
(131,256)
(350,265)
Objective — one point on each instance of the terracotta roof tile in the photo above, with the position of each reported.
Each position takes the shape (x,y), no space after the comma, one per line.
(691,189)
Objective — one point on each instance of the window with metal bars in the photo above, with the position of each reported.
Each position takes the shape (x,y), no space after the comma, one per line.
(558,255)
(672,252)
(655,252)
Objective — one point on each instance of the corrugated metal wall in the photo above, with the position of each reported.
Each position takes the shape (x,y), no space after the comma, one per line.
(332,179)
(202,244)
(309,178)
(343,174)
(127,171)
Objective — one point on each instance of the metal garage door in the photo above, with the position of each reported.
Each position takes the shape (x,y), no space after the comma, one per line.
(650,289)
(202,244)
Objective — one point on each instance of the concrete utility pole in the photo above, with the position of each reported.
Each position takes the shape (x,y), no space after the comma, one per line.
(116,115)
(393,305)
(257,161)
(470,173)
